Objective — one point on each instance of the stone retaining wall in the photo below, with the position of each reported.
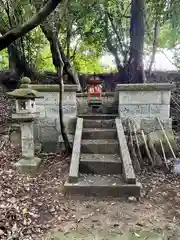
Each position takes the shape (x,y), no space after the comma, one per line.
(47,127)
(144,101)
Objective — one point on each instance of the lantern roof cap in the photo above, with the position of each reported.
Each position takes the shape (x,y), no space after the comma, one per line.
(24,91)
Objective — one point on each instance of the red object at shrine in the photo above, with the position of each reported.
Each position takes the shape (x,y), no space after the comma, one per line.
(94,89)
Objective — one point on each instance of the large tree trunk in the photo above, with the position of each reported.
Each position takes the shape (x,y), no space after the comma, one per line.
(19,31)
(18,63)
(137,42)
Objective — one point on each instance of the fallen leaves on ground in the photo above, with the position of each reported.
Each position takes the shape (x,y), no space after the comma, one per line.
(32,206)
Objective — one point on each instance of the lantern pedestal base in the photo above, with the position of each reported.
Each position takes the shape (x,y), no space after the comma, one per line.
(28,165)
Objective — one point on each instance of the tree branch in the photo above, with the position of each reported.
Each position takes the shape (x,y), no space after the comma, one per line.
(19,31)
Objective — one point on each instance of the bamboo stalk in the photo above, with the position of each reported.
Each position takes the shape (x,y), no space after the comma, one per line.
(165,135)
(164,155)
(147,149)
(137,143)
(137,165)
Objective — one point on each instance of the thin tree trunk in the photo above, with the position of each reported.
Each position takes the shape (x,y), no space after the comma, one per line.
(154,47)
(59,65)
(109,45)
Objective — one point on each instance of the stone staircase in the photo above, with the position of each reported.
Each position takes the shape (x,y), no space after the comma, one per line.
(98,164)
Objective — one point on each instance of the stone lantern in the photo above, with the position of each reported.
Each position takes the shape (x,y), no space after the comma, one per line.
(25,115)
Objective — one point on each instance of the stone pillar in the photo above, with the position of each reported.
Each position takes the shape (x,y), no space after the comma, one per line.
(27,139)
(144,103)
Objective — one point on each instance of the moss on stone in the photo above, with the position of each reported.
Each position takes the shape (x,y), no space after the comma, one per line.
(145,87)
(53,87)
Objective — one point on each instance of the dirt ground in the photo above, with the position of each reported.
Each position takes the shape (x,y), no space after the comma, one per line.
(33,207)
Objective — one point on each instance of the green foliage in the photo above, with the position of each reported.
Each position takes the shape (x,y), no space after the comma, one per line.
(3,59)
(90,24)
(87,59)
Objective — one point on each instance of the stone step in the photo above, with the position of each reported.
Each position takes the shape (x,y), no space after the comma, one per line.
(100,163)
(99,133)
(100,146)
(98,116)
(105,123)
(102,185)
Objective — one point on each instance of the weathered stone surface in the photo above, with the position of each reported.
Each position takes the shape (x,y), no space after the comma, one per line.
(99,133)
(137,111)
(75,158)
(52,111)
(161,111)
(156,136)
(28,165)
(140,97)
(101,164)
(41,110)
(103,185)
(144,100)
(27,130)
(147,124)
(166,97)
(27,146)
(100,146)
(69,97)
(15,137)
(128,170)
(69,109)
(47,128)
(146,87)
(48,133)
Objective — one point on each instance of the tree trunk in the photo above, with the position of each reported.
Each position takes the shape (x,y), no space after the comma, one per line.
(154,47)
(58,63)
(137,42)
(18,63)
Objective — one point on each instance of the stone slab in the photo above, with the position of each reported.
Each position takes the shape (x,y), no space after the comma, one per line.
(146,87)
(102,185)
(54,87)
(75,158)
(128,170)
(99,133)
(106,123)
(28,165)
(101,164)
(100,146)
